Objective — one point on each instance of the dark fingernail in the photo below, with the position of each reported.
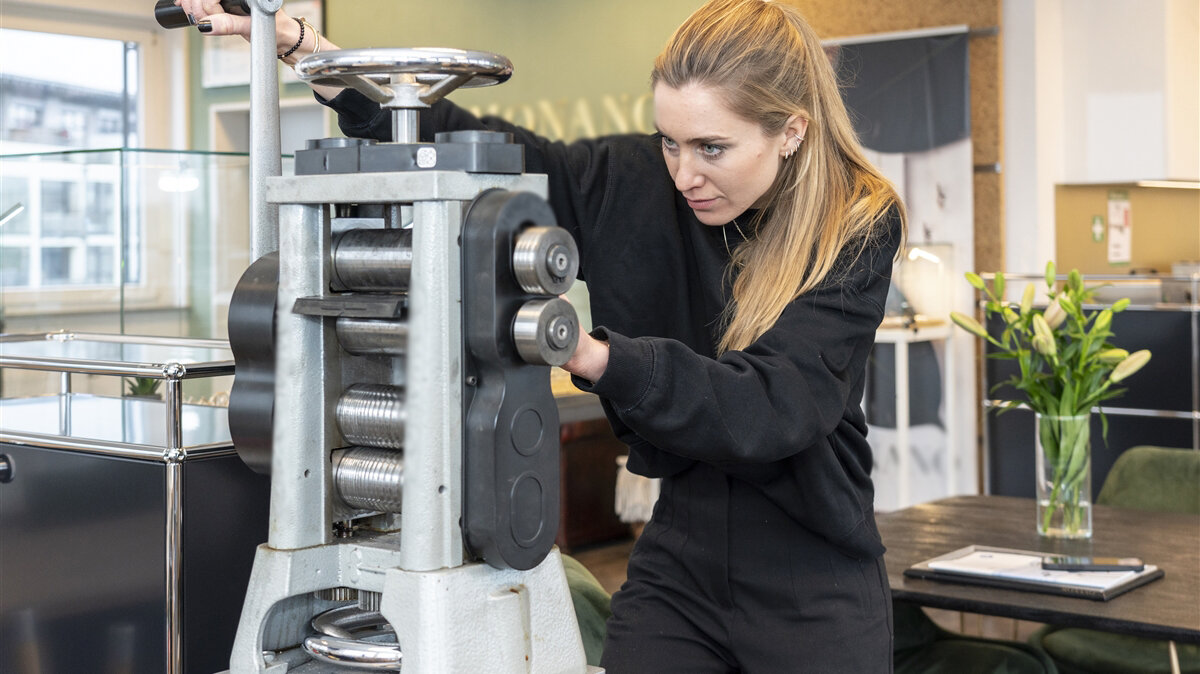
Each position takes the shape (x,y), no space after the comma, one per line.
(191,19)
(204,26)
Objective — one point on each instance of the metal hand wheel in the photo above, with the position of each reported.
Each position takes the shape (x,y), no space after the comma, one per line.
(405,79)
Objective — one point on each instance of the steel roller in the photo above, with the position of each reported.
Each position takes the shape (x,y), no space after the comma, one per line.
(369,478)
(545,260)
(372,260)
(372,415)
(546,331)
(367,337)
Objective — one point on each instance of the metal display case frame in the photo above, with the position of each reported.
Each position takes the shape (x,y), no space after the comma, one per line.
(171,360)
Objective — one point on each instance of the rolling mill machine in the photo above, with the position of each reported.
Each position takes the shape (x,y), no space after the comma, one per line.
(392,376)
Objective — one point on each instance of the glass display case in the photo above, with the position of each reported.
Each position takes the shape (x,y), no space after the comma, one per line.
(135,520)
(122,241)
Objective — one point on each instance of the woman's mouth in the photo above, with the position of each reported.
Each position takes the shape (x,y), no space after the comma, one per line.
(701,204)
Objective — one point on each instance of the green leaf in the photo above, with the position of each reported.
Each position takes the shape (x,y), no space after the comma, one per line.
(975,280)
(998,284)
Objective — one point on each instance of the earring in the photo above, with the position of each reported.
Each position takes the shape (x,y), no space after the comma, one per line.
(791,151)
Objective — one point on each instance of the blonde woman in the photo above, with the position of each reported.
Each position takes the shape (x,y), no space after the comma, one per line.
(738,262)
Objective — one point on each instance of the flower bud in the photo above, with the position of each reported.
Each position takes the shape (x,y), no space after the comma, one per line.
(1050,274)
(1127,367)
(1041,328)
(1112,356)
(1075,280)
(1055,315)
(1120,305)
(1010,316)
(1067,304)
(975,280)
(1044,346)
(1103,321)
(967,323)
(998,284)
(1027,299)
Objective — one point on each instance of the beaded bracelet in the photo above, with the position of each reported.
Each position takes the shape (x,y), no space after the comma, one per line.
(296,46)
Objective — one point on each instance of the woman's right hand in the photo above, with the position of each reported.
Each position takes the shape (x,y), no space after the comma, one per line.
(211,19)
(210,13)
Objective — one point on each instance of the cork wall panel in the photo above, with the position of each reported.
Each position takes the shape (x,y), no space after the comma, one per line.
(834,18)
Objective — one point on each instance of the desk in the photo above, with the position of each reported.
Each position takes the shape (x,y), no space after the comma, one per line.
(1168,608)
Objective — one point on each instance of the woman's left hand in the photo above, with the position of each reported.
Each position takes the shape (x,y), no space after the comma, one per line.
(590,359)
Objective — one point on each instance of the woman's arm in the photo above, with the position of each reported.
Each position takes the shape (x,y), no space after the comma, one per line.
(777,397)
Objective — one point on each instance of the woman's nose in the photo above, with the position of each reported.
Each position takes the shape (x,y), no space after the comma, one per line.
(686,175)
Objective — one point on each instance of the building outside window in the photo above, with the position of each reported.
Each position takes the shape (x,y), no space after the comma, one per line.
(66,231)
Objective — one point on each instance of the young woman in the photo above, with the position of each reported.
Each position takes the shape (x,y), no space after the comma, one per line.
(737,262)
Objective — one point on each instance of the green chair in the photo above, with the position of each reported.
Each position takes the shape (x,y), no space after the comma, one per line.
(1143,478)
(591,607)
(921,647)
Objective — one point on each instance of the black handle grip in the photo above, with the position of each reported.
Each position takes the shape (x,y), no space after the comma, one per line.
(6,468)
(170,16)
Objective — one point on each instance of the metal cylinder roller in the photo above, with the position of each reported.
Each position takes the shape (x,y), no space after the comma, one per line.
(367,337)
(545,260)
(372,415)
(372,260)
(369,478)
(546,331)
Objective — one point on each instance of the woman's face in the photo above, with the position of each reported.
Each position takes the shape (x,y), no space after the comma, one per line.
(721,162)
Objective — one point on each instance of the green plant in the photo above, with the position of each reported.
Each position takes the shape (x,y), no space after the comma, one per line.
(1067,367)
(142,386)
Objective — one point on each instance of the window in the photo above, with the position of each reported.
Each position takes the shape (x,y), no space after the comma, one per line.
(65,92)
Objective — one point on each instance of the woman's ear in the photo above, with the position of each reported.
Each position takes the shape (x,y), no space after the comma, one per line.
(797,125)
(793,134)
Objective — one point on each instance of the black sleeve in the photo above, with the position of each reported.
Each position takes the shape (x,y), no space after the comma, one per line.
(581,174)
(781,395)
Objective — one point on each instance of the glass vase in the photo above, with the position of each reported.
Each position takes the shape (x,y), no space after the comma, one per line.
(1064,476)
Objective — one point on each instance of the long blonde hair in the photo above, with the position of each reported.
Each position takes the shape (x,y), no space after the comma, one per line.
(768,65)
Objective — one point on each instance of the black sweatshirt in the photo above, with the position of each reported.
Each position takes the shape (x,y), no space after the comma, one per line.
(785,413)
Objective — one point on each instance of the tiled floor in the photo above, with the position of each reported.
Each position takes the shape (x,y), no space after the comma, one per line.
(607,563)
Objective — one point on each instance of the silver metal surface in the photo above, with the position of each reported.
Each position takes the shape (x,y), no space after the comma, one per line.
(174,565)
(546,331)
(114,426)
(124,355)
(429,66)
(370,478)
(545,260)
(366,337)
(372,415)
(1116,411)
(265,145)
(355,654)
(398,187)
(307,383)
(372,260)
(431,530)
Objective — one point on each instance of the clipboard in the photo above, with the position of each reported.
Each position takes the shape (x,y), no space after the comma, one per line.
(1011,569)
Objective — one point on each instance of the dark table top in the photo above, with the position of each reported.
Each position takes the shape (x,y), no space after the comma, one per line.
(1168,608)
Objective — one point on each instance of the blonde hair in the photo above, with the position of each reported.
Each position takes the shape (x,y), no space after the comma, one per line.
(768,65)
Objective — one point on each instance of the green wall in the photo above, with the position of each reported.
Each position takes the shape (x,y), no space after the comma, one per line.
(579,67)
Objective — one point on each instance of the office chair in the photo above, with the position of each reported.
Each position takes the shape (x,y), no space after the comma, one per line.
(1143,478)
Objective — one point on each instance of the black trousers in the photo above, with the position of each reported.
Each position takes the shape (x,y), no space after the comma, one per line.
(721,581)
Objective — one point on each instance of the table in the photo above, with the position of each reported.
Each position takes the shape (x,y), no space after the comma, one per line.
(1168,608)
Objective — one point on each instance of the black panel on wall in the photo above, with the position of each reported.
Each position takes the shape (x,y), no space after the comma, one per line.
(1164,384)
(1010,439)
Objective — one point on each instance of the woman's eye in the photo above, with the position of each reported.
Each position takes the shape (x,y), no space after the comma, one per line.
(709,150)
(669,145)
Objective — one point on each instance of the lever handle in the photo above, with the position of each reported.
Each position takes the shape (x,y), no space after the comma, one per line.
(169,15)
